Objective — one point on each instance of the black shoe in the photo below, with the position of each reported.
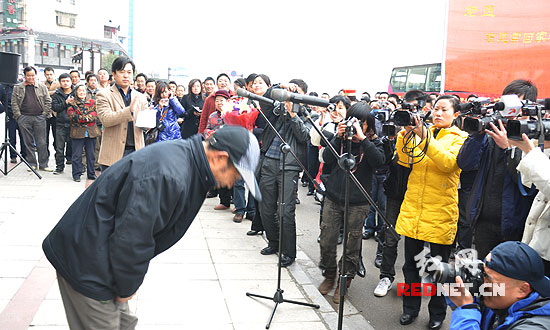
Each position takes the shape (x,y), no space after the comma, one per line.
(250,216)
(286,261)
(368,234)
(434,325)
(406,319)
(378,261)
(268,250)
(13,160)
(58,172)
(211,195)
(69,162)
(254,232)
(93,177)
(310,192)
(76,179)
(340,238)
(305,184)
(297,201)
(319,239)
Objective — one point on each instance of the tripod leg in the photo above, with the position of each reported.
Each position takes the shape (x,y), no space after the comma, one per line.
(272,315)
(301,303)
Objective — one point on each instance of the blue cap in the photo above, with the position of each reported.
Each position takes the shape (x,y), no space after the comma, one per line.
(519,261)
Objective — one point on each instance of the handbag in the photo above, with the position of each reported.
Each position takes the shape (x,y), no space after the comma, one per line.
(152,134)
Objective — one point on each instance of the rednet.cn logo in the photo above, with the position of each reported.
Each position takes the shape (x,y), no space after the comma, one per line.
(448,289)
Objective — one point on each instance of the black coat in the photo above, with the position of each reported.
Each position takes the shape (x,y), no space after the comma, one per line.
(190,125)
(136,209)
(60,106)
(368,156)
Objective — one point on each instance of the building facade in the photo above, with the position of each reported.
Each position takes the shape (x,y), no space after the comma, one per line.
(63,34)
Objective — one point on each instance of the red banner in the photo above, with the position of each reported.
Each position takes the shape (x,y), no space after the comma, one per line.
(491,43)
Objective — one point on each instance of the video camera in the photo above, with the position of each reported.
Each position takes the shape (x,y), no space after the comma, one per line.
(536,126)
(475,116)
(470,270)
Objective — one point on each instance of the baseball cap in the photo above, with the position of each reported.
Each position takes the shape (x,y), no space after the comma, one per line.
(243,150)
(519,261)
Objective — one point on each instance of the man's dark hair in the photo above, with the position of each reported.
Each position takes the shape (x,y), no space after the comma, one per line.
(76,72)
(522,87)
(327,94)
(89,72)
(471,95)
(266,79)
(302,84)
(90,76)
(240,82)
(453,100)
(150,80)
(141,75)
(209,78)
(160,87)
(251,78)
(361,110)
(395,96)
(48,68)
(413,95)
(28,68)
(341,98)
(64,76)
(173,83)
(120,62)
(380,93)
(221,75)
(313,94)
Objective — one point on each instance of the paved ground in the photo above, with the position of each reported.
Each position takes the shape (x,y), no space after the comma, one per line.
(200,283)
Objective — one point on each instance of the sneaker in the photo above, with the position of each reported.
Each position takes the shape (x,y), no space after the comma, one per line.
(383,287)
(46,169)
(58,172)
(33,167)
(13,160)
(76,179)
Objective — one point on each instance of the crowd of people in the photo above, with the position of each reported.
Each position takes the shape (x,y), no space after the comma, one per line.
(441,188)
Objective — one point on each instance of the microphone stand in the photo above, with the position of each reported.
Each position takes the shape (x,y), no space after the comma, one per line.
(346,162)
(285,149)
(7,146)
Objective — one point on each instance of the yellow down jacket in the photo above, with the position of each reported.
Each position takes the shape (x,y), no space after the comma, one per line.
(430,209)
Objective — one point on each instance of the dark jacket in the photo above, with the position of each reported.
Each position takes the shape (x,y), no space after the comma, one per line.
(395,185)
(60,106)
(296,134)
(136,209)
(368,156)
(190,125)
(531,313)
(477,153)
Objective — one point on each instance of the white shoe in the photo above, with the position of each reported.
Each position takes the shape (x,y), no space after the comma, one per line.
(383,287)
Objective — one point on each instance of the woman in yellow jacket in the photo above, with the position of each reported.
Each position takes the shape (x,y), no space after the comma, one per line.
(429,212)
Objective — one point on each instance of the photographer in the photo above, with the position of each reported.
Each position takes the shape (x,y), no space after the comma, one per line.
(368,153)
(295,133)
(429,212)
(534,169)
(496,209)
(525,304)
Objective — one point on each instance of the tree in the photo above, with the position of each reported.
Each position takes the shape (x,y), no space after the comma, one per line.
(107,61)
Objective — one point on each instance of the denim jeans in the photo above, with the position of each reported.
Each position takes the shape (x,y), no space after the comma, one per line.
(380,198)
(239,199)
(78,145)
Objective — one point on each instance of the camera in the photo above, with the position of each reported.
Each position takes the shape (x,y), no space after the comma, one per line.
(350,129)
(470,270)
(389,130)
(535,127)
(477,106)
(406,118)
(473,125)
(382,115)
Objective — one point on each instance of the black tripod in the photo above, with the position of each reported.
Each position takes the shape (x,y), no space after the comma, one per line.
(7,147)
(285,149)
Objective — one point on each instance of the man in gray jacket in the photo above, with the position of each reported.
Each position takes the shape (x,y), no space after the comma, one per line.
(31,105)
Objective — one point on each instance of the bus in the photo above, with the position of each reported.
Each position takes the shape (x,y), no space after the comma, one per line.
(426,77)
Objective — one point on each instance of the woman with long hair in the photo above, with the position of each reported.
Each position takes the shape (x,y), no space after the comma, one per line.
(167,107)
(193,103)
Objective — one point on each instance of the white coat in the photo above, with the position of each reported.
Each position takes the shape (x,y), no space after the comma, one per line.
(535,169)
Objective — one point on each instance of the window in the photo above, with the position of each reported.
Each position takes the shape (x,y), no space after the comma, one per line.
(417,79)
(398,79)
(65,19)
(433,83)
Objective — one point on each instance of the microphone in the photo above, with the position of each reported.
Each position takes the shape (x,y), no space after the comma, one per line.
(244,93)
(283,95)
